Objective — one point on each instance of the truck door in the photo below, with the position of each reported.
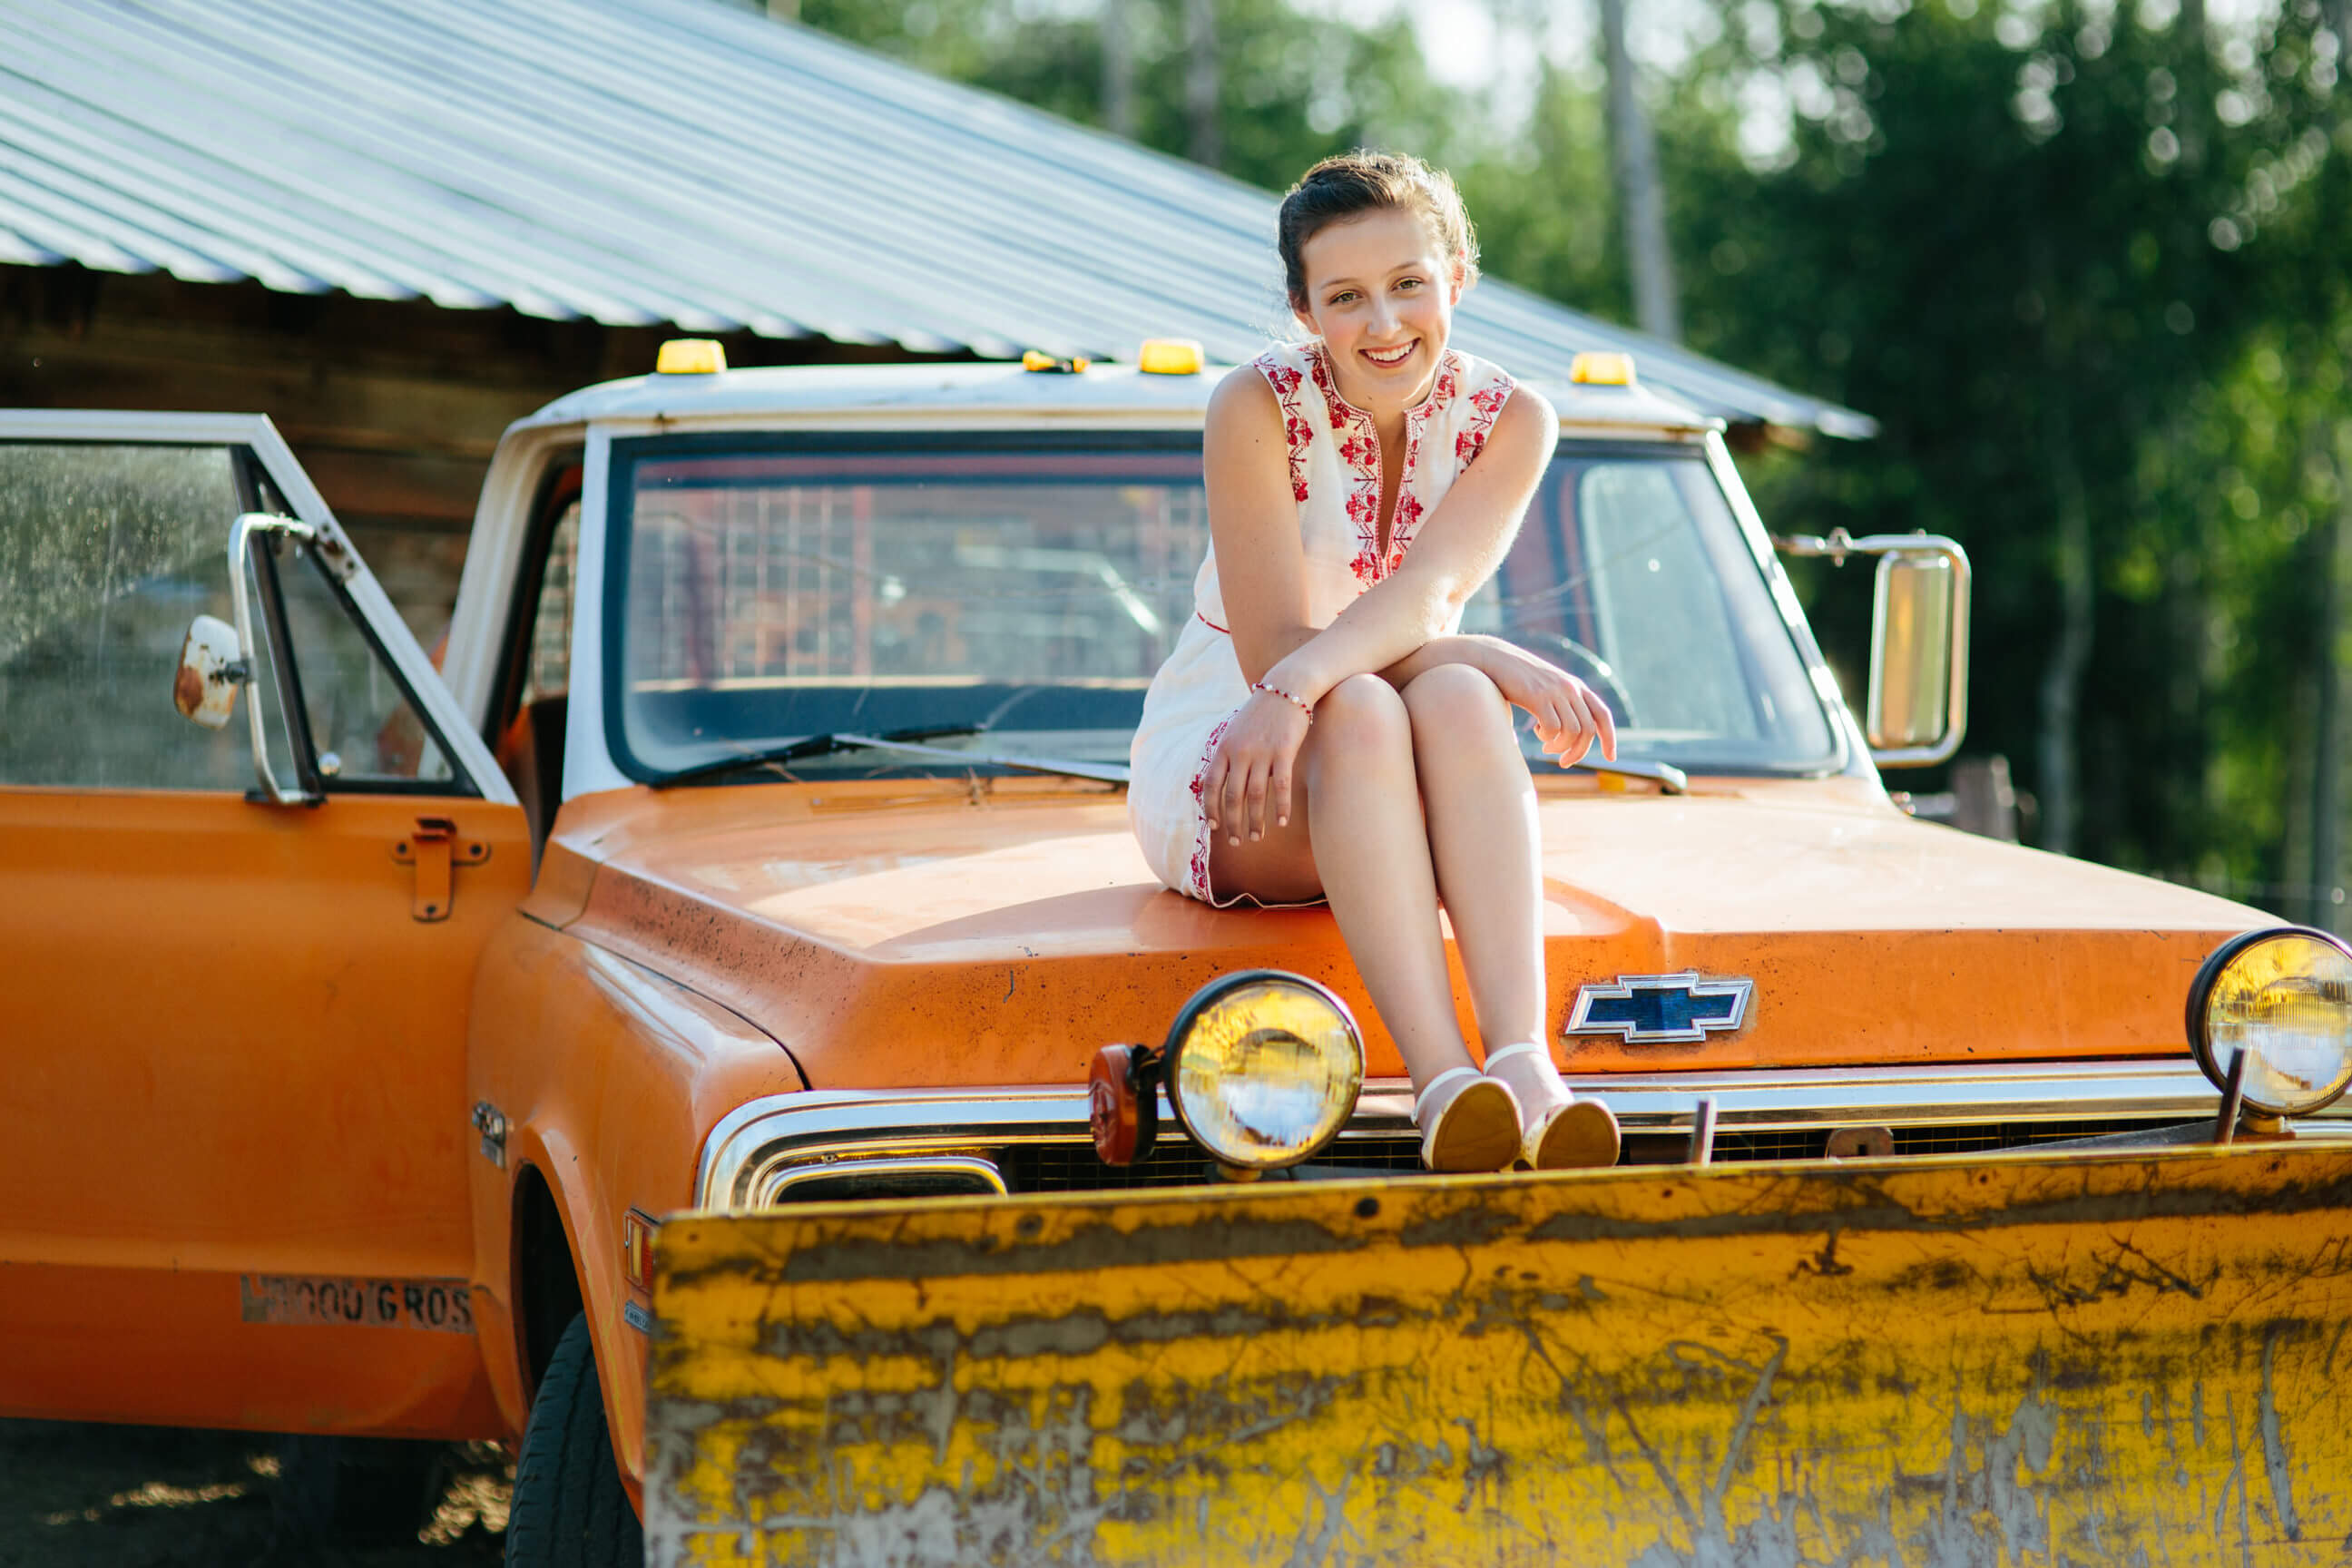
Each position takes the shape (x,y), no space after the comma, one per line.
(232,998)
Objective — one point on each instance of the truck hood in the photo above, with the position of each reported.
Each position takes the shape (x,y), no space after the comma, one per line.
(902,931)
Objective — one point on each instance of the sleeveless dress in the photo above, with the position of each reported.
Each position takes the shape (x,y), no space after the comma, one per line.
(1335,473)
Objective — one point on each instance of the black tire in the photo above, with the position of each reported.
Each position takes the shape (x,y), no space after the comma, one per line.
(570,1510)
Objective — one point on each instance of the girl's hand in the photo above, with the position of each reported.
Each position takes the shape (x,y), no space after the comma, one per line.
(1570,715)
(1247,791)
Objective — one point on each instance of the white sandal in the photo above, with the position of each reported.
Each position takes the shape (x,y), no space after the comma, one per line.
(1574,1135)
(1478,1130)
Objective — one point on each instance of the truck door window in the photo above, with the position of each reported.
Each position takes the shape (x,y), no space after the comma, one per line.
(107,551)
(363,732)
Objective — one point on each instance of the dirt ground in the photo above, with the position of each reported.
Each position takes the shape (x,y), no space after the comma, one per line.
(74,1496)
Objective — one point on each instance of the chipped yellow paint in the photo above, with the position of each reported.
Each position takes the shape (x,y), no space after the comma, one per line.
(2094,1359)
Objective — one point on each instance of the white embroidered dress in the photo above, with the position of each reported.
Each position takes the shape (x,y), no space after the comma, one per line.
(1335,472)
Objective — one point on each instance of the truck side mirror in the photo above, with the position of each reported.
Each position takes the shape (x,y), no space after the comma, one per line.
(1918,706)
(212,667)
(1918,658)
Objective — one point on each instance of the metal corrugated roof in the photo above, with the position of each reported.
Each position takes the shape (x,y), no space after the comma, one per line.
(659,161)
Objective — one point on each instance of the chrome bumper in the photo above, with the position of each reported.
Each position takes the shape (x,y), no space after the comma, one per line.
(757,1142)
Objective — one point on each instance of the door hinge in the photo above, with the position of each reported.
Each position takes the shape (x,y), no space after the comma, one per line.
(435,850)
(491,1124)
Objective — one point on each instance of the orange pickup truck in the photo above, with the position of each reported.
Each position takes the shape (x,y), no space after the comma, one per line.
(760,842)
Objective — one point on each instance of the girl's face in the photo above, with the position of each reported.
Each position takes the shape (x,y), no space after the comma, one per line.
(1382,299)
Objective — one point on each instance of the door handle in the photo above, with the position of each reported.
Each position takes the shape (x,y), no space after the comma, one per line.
(437,850)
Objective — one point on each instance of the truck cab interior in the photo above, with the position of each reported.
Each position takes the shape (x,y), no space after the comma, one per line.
(529,713)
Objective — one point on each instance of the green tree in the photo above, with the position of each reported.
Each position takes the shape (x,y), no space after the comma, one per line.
(2000,237)
(1292,89)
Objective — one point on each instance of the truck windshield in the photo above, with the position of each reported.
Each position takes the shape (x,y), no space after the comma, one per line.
(767,588)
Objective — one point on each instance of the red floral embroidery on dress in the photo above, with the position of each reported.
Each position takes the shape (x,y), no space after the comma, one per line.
(1342,414)
(1486,403)
(1359,449)
(1402,526)
(1448,384)
(1196,875)
(1296,431)
(1406,519)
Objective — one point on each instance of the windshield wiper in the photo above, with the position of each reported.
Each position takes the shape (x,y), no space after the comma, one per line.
(812,746)
(1107,773)
(908,741)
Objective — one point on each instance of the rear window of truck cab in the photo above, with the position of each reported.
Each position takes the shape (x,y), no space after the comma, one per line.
(765,587)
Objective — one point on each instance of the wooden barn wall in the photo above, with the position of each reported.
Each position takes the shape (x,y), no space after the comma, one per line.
(394,407)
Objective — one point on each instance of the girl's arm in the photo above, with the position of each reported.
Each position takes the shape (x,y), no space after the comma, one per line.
(1262,572)
(1458,547)
(1570,715)
(1254,521)
(1461,648)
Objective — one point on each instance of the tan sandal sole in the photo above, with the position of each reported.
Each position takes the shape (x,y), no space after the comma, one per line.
(1581,1138)
(1477,1131)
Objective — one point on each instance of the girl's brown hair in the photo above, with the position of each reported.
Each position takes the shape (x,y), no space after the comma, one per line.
(1357,183)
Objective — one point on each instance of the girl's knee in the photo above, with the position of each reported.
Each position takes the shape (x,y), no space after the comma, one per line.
(1360,703)
(1363,714)
(1455,699)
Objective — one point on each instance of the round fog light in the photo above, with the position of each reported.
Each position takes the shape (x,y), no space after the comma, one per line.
(1262,1068)
(2284,997)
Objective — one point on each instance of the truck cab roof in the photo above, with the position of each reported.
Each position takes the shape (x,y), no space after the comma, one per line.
(972,394)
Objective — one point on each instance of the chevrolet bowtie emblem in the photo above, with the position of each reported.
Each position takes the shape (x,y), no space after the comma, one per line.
(1656,1009)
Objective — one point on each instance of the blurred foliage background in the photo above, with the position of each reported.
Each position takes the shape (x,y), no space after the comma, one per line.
(2085,262)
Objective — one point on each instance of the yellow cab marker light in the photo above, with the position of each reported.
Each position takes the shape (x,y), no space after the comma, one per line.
(691,356)
(1601,367)
(1037,360)
(1170,356)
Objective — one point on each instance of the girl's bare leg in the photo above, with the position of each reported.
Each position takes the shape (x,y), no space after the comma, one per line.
(1488,851)
(1358,836)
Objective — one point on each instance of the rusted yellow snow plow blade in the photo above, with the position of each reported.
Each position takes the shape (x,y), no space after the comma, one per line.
(2089,1359)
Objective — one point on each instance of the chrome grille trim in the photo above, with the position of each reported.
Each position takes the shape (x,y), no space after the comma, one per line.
(782,1177)
(765,1136)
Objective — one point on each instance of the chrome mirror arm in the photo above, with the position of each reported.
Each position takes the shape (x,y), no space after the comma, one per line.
(240,539)
(1837,544)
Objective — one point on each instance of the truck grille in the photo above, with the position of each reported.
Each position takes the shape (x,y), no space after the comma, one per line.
(1175,1163)
(1806,1144)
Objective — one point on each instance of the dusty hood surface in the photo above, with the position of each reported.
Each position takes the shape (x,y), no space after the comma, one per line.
(906,932)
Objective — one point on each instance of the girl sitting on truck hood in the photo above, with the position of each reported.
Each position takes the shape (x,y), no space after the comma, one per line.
(1322,730)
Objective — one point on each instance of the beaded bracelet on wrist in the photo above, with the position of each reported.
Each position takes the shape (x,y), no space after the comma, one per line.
(1277,692)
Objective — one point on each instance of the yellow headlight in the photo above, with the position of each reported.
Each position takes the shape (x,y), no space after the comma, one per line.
(2284,997)
(1264,1068)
